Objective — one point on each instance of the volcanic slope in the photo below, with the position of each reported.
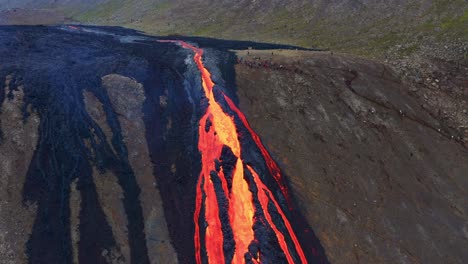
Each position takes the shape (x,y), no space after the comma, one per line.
(381,179)
(437,28)
(137,149)
(137,153)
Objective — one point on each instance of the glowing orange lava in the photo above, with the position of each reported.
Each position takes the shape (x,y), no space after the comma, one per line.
(218,130)
(271,164)
(264,195)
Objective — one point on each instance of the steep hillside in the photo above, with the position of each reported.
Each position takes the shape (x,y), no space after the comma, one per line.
(378,177)
(44,4)
(117,147)
(121,147)
(395,28)
(367,27)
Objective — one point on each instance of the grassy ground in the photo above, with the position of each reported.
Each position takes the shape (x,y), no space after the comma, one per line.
(367,32)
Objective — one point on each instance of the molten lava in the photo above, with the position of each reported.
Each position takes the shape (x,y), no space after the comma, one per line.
(220,191)
(271,164)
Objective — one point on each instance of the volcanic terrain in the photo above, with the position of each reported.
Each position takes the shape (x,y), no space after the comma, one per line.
(118,147)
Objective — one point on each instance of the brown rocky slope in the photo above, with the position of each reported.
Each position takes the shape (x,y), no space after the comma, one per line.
(377,176)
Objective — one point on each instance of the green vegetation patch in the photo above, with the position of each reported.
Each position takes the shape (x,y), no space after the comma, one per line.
(457,24)
(102,12)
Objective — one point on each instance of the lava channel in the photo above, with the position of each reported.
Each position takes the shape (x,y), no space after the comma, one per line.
(227,197)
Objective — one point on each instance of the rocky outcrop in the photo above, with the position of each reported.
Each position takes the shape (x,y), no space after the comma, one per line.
(441,88)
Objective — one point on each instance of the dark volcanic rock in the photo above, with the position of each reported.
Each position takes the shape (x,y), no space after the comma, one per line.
(100,155)
(379,178)
(19,139)
(78,185)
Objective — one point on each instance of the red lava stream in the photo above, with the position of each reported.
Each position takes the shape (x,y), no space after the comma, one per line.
(217,129)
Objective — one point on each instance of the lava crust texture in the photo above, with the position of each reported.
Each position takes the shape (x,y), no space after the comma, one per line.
(224,198)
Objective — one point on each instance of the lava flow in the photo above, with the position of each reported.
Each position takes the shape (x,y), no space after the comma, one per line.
(226,196)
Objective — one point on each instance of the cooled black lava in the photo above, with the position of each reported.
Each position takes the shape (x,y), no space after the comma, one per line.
(58,63)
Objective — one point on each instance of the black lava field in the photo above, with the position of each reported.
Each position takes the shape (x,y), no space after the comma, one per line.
(227,202)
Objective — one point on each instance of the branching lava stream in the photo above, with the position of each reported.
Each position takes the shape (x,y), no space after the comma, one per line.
(235,196)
